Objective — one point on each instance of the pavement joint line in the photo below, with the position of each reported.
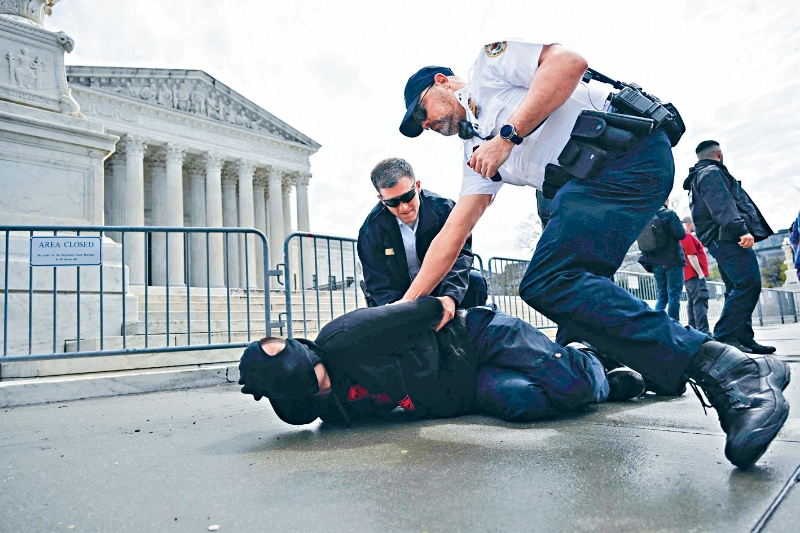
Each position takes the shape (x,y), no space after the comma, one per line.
(672,430)
(794,479)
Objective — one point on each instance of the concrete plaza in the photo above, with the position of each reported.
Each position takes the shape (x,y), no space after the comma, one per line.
(186,460)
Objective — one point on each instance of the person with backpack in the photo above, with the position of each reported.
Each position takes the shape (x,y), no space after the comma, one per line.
(660,244)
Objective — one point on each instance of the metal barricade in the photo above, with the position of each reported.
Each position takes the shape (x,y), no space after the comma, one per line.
(323,273)
(776,305)
(505,275)
(224,305)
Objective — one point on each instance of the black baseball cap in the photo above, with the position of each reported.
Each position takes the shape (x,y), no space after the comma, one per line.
(417,83)
(288,379)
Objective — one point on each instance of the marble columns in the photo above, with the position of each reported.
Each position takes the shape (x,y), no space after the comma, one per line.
(286,190)
(247,244)
(197,241)
(157,162)
(276,234)
(260,213)
(132,206)
(173,212)
(230,219)
(214,217)
(117,201)
(303,215)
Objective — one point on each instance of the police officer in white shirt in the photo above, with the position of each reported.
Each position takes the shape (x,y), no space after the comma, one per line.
(522,101)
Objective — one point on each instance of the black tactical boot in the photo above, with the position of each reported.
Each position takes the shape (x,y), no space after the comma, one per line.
(624,384)
(747,393)
(754,347)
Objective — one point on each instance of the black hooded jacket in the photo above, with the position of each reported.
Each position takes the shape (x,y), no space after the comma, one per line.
(382,357)
(721,210)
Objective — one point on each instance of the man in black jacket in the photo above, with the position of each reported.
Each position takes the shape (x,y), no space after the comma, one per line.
(666,262)
(368,362)
(728,223)
(395,237)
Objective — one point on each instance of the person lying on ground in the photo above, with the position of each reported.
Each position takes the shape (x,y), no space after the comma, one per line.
(367,362)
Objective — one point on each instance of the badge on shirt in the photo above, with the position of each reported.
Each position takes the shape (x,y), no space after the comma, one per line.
(495,49)
(390,251)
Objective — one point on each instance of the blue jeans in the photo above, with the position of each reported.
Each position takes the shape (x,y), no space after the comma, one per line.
(524,376)
(738,268)
(669,280)
(593,224)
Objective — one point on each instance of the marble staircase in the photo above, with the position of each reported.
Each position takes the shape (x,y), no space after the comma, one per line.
(191,325)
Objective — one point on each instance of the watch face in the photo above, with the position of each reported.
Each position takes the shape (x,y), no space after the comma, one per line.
(506,131)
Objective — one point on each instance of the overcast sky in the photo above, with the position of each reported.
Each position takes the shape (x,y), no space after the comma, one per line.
(336,71)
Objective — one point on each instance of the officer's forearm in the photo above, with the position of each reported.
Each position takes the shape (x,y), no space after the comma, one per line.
(445,248)
(559,72)
(696,266)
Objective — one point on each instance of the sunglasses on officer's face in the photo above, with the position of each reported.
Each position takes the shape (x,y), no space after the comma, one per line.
(402,199)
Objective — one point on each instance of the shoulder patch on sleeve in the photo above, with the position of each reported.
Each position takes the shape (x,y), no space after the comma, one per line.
(495,49)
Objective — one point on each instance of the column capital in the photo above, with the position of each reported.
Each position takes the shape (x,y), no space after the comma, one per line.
(119,154)
(196,168)
(245,167)
(214,161)
(302,179)
(135,145)
(275,173)
(174,153)
(288,183)
(230,173)
(157,160)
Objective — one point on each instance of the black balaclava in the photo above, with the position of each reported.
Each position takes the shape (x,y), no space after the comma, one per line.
(287,379)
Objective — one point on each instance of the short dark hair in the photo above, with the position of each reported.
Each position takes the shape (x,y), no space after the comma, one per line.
(389,172)
(705,145)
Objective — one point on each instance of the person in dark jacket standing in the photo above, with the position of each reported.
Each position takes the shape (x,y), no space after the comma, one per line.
(395,237)
(728,223)
(368,362)
(666,262)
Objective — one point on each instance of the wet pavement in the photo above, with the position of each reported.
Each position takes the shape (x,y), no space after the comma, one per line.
(187,460)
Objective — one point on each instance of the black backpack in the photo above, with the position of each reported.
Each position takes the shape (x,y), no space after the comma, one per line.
(653,237)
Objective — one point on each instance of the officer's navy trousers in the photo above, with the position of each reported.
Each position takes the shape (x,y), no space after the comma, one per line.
(523,376)
(593,224)
(738,268)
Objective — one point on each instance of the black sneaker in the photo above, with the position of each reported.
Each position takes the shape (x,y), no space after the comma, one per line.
(624,384)
(736,344)
(747,393)
(754,347)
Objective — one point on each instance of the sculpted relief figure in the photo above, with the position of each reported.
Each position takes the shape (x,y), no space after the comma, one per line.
(164,96)
(181,97)
(25,71)
(230,116)
(242,120)
(213,107)
(149,92)
(131,90)
(198,102)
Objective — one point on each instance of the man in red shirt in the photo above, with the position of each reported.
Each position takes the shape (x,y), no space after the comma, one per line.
(694,278)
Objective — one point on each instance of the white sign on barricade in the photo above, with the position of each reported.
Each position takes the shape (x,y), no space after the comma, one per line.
(66,251)
(633,282)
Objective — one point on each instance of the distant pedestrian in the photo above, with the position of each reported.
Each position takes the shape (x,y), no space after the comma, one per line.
(794,240)
(729,223)
(663,256)
(694,278)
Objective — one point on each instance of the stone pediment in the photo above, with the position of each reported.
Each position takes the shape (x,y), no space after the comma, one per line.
(188,91)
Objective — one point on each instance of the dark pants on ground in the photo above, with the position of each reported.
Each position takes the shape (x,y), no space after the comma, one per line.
(477,292)
(697,303)
(523,376)
(669,281)
(738,268)
(593,224)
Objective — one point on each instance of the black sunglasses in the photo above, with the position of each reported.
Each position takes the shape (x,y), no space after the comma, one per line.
(420,114)
(402,199)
